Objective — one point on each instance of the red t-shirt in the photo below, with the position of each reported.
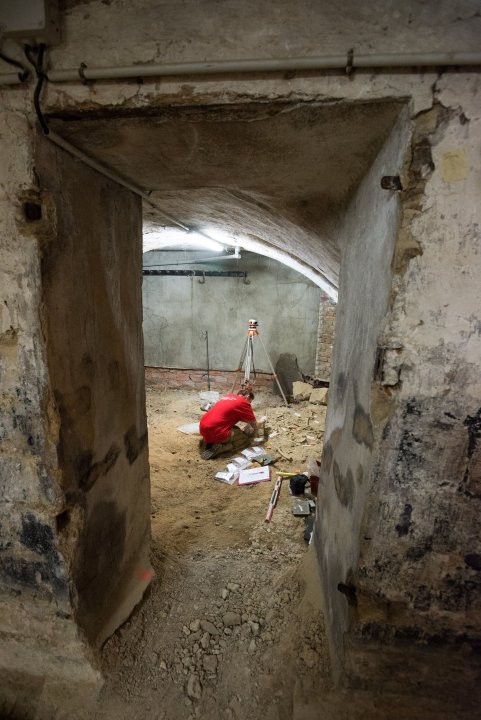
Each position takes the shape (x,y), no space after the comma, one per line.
(215,426)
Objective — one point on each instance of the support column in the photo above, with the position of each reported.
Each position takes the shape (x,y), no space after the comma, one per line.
(44,660)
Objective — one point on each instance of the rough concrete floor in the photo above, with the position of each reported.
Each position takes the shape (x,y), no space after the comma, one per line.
(226,630)
(232,626)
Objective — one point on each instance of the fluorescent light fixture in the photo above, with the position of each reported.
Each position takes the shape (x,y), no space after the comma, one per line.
(202,240)
(216,239)
(175,238)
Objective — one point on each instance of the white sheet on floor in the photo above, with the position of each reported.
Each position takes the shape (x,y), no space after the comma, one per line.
(190,429)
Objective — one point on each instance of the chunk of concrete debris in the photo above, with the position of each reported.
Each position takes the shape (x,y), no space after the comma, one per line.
(194,688)
(301,390)
(209,627)
(318,396)
(210,663)
(231,618)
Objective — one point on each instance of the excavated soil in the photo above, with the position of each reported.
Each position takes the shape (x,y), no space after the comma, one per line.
(231,627)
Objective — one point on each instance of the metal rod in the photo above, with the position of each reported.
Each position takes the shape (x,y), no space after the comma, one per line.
(104,170)
(197,273)
(239,367)
(206,335)
(273,371)
(279,65)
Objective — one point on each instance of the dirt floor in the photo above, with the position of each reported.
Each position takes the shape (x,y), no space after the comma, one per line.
(231,627)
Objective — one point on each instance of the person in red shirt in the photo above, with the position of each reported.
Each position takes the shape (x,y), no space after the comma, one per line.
(218,426)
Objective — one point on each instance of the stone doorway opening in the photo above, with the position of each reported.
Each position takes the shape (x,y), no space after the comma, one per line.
(296,177)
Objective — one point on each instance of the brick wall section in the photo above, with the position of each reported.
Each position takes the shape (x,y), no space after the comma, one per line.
(325,338)
(220,380)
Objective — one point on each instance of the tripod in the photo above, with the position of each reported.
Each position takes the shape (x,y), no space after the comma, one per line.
(247,358)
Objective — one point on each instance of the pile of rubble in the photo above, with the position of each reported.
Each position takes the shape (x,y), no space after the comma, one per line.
(306,391)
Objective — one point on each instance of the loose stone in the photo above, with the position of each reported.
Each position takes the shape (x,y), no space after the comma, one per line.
(209,627)
(231,618)
(210,663)
(194,688)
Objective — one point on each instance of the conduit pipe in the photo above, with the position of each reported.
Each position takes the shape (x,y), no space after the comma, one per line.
(329,62)
(103,170)
(10,79)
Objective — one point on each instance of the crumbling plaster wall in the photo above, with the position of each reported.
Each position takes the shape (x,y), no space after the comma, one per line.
(419,575)
(325,338)
(367,236)
(97,382)
(401,467)
(178,309)
(43,656)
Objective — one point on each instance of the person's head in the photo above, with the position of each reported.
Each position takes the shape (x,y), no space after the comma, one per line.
(246,391)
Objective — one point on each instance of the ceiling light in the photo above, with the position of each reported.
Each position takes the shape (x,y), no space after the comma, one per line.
(175,238)
(204,241)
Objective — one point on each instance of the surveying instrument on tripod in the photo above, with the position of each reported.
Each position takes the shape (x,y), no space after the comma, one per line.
(247,359)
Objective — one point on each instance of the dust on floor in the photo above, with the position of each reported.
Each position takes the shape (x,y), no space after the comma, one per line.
(227,630)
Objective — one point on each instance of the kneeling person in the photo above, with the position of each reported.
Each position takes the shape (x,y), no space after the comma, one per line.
(218,426)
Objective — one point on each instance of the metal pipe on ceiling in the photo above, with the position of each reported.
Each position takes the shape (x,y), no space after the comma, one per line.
(87,160)
(347,62)
(10,79)
(196,273)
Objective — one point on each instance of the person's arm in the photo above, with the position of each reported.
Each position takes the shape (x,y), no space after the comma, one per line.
(255,427)
(246,414)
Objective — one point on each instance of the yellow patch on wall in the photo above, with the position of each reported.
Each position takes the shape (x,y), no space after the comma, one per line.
(454,166)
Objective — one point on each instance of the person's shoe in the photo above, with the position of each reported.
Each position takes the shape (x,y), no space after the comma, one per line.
(223,448)
(207,452)
(214,450)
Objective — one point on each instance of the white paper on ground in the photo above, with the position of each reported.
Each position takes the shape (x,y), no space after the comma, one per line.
(226,477)
(254,475)
(241,462)
(190,429)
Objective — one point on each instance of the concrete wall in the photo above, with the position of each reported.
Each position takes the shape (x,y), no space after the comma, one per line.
(97,385)
(178,309)
(367,236)
(74,522)
(43,656)
(400,499)
(420,562)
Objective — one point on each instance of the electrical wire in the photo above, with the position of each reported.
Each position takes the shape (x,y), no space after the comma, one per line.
(22,76)
(41,77)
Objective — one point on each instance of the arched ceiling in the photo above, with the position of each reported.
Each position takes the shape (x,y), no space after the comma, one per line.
(274,174)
